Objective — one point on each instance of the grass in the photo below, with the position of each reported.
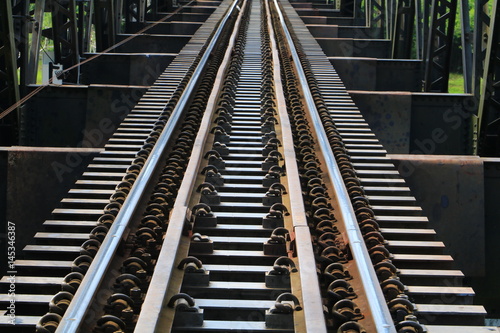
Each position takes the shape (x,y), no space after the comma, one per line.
(456,84)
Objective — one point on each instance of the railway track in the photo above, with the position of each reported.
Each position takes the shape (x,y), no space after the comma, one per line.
(244,192)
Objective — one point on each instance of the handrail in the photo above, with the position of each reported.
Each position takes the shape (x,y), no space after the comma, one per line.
(375,298)
(87,290)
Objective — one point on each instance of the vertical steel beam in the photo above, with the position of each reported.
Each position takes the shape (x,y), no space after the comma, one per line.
(142,10)
(119,15)
(105,25)
(155,4)
(20,14)
(65,35)
(84,23)
(9,88)
(466,39)
(481,31)
(439,45)
(391,18)
(135,11)
(130,13)
(487,135)
(404,26)
(419,30)
(360,11)
(378,18)
(36,34)
(347,8)
(427,9)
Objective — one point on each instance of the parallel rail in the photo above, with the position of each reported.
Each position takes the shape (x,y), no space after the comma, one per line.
(83,298)
(268,214)
(378,307)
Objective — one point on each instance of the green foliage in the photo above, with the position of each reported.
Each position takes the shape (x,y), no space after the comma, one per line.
(47,20)
(456,83)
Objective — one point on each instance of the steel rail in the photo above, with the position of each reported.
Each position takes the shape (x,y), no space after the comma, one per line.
(150,319)
(311,296)
(87,290)
(375,298)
